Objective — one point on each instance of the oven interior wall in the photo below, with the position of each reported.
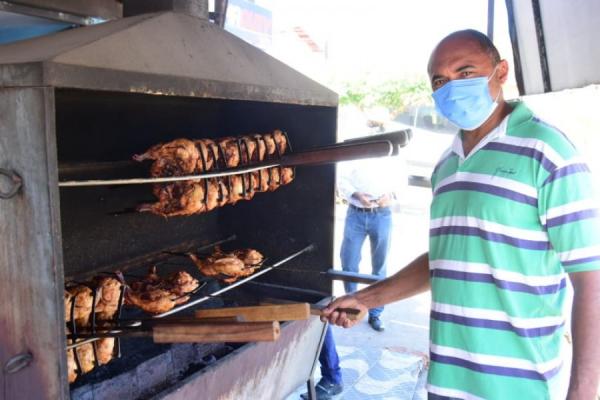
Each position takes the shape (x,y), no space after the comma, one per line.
(99,228)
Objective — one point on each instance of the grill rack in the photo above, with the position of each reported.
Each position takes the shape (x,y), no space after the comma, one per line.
(117,318)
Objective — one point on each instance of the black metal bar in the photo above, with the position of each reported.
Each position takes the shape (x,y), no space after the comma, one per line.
(346,276)
(287,140)
(92,337)
(236,284)
(202,158)
(93,324)
(277,151)
(310,384)
(74,332)
(239,147)
(419,181)
(514,39)
(249,161)
(223,154)
(541,41)
(291,290)
(490,20)
(215,155)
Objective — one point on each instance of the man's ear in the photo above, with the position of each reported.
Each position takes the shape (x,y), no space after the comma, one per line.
(502,73)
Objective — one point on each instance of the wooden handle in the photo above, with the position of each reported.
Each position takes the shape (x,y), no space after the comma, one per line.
(338,152)
(282,312)
(351,313)
(239,332)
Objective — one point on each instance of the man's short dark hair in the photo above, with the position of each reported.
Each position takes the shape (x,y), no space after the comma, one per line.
(486,44)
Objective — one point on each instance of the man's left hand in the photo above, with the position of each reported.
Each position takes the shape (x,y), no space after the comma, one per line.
(385,200)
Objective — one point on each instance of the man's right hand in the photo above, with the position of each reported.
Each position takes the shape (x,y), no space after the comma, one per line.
(363,198)
(331,314)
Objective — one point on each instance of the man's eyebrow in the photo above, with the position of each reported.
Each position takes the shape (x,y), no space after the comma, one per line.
(464,67)
(459,69)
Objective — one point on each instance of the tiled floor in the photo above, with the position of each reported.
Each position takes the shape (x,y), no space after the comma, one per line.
(390,364)
(379,374)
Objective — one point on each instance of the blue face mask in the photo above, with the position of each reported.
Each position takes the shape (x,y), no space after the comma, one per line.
(466,103)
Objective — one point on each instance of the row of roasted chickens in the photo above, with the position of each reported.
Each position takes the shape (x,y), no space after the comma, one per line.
(99,300)
(182,157)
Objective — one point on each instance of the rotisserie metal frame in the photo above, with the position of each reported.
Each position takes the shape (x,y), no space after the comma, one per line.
(100,94)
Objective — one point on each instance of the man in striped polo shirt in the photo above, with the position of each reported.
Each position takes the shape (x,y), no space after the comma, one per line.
(512,214)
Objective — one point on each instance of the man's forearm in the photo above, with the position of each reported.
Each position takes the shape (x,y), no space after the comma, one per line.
(585,370)
(411,280)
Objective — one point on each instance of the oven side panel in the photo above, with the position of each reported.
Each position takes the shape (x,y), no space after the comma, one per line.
(264,370)
(31,276)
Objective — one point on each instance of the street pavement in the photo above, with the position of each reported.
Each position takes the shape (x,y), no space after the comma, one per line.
(391,364)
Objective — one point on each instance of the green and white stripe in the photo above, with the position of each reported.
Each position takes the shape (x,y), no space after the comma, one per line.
(508,222)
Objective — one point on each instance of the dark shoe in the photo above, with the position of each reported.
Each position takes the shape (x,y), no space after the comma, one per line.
(325,390)
(376,324)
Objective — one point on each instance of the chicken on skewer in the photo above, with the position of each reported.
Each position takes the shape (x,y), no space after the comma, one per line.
(79,298)
(157,295)
(194,197)
(209,154)
(177,199)
(228,267)
(83,299)
(189,197)
(176,158)
(71,366)
(108,291)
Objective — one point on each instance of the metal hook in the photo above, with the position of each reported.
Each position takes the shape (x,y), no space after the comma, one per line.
(16,181)
(18,362)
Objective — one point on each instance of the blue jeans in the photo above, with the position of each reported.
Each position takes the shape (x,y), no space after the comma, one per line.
(329,360)
(378,227)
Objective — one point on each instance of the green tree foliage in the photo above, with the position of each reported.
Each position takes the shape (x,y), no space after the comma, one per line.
(395,95)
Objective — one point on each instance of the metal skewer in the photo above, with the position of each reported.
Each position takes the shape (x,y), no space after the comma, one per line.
(233,285)
(308,248)
(140,181)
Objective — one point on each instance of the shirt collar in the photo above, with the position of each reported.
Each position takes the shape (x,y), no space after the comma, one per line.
(496,133)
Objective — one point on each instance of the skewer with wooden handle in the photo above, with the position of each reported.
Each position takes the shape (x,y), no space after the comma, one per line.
(323,155)
(213,333)
(271,312)
(276,312)
(193,331)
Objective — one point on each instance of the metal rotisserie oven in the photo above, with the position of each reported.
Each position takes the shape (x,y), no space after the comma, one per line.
(77,105)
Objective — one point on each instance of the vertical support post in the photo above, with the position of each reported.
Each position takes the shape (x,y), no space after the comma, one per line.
(310,384)
(33,363)
(490,19)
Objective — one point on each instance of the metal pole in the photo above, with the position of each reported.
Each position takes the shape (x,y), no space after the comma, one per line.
(490,20)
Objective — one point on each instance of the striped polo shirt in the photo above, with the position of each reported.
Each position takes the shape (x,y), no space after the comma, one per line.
(507,223)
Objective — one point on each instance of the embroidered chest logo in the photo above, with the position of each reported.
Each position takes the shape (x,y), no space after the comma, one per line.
(504,171)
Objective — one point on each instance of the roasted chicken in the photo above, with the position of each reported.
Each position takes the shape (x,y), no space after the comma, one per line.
(108,291)
(71,366)
(177,158)
(83,298)
(228,267)
(157,295)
